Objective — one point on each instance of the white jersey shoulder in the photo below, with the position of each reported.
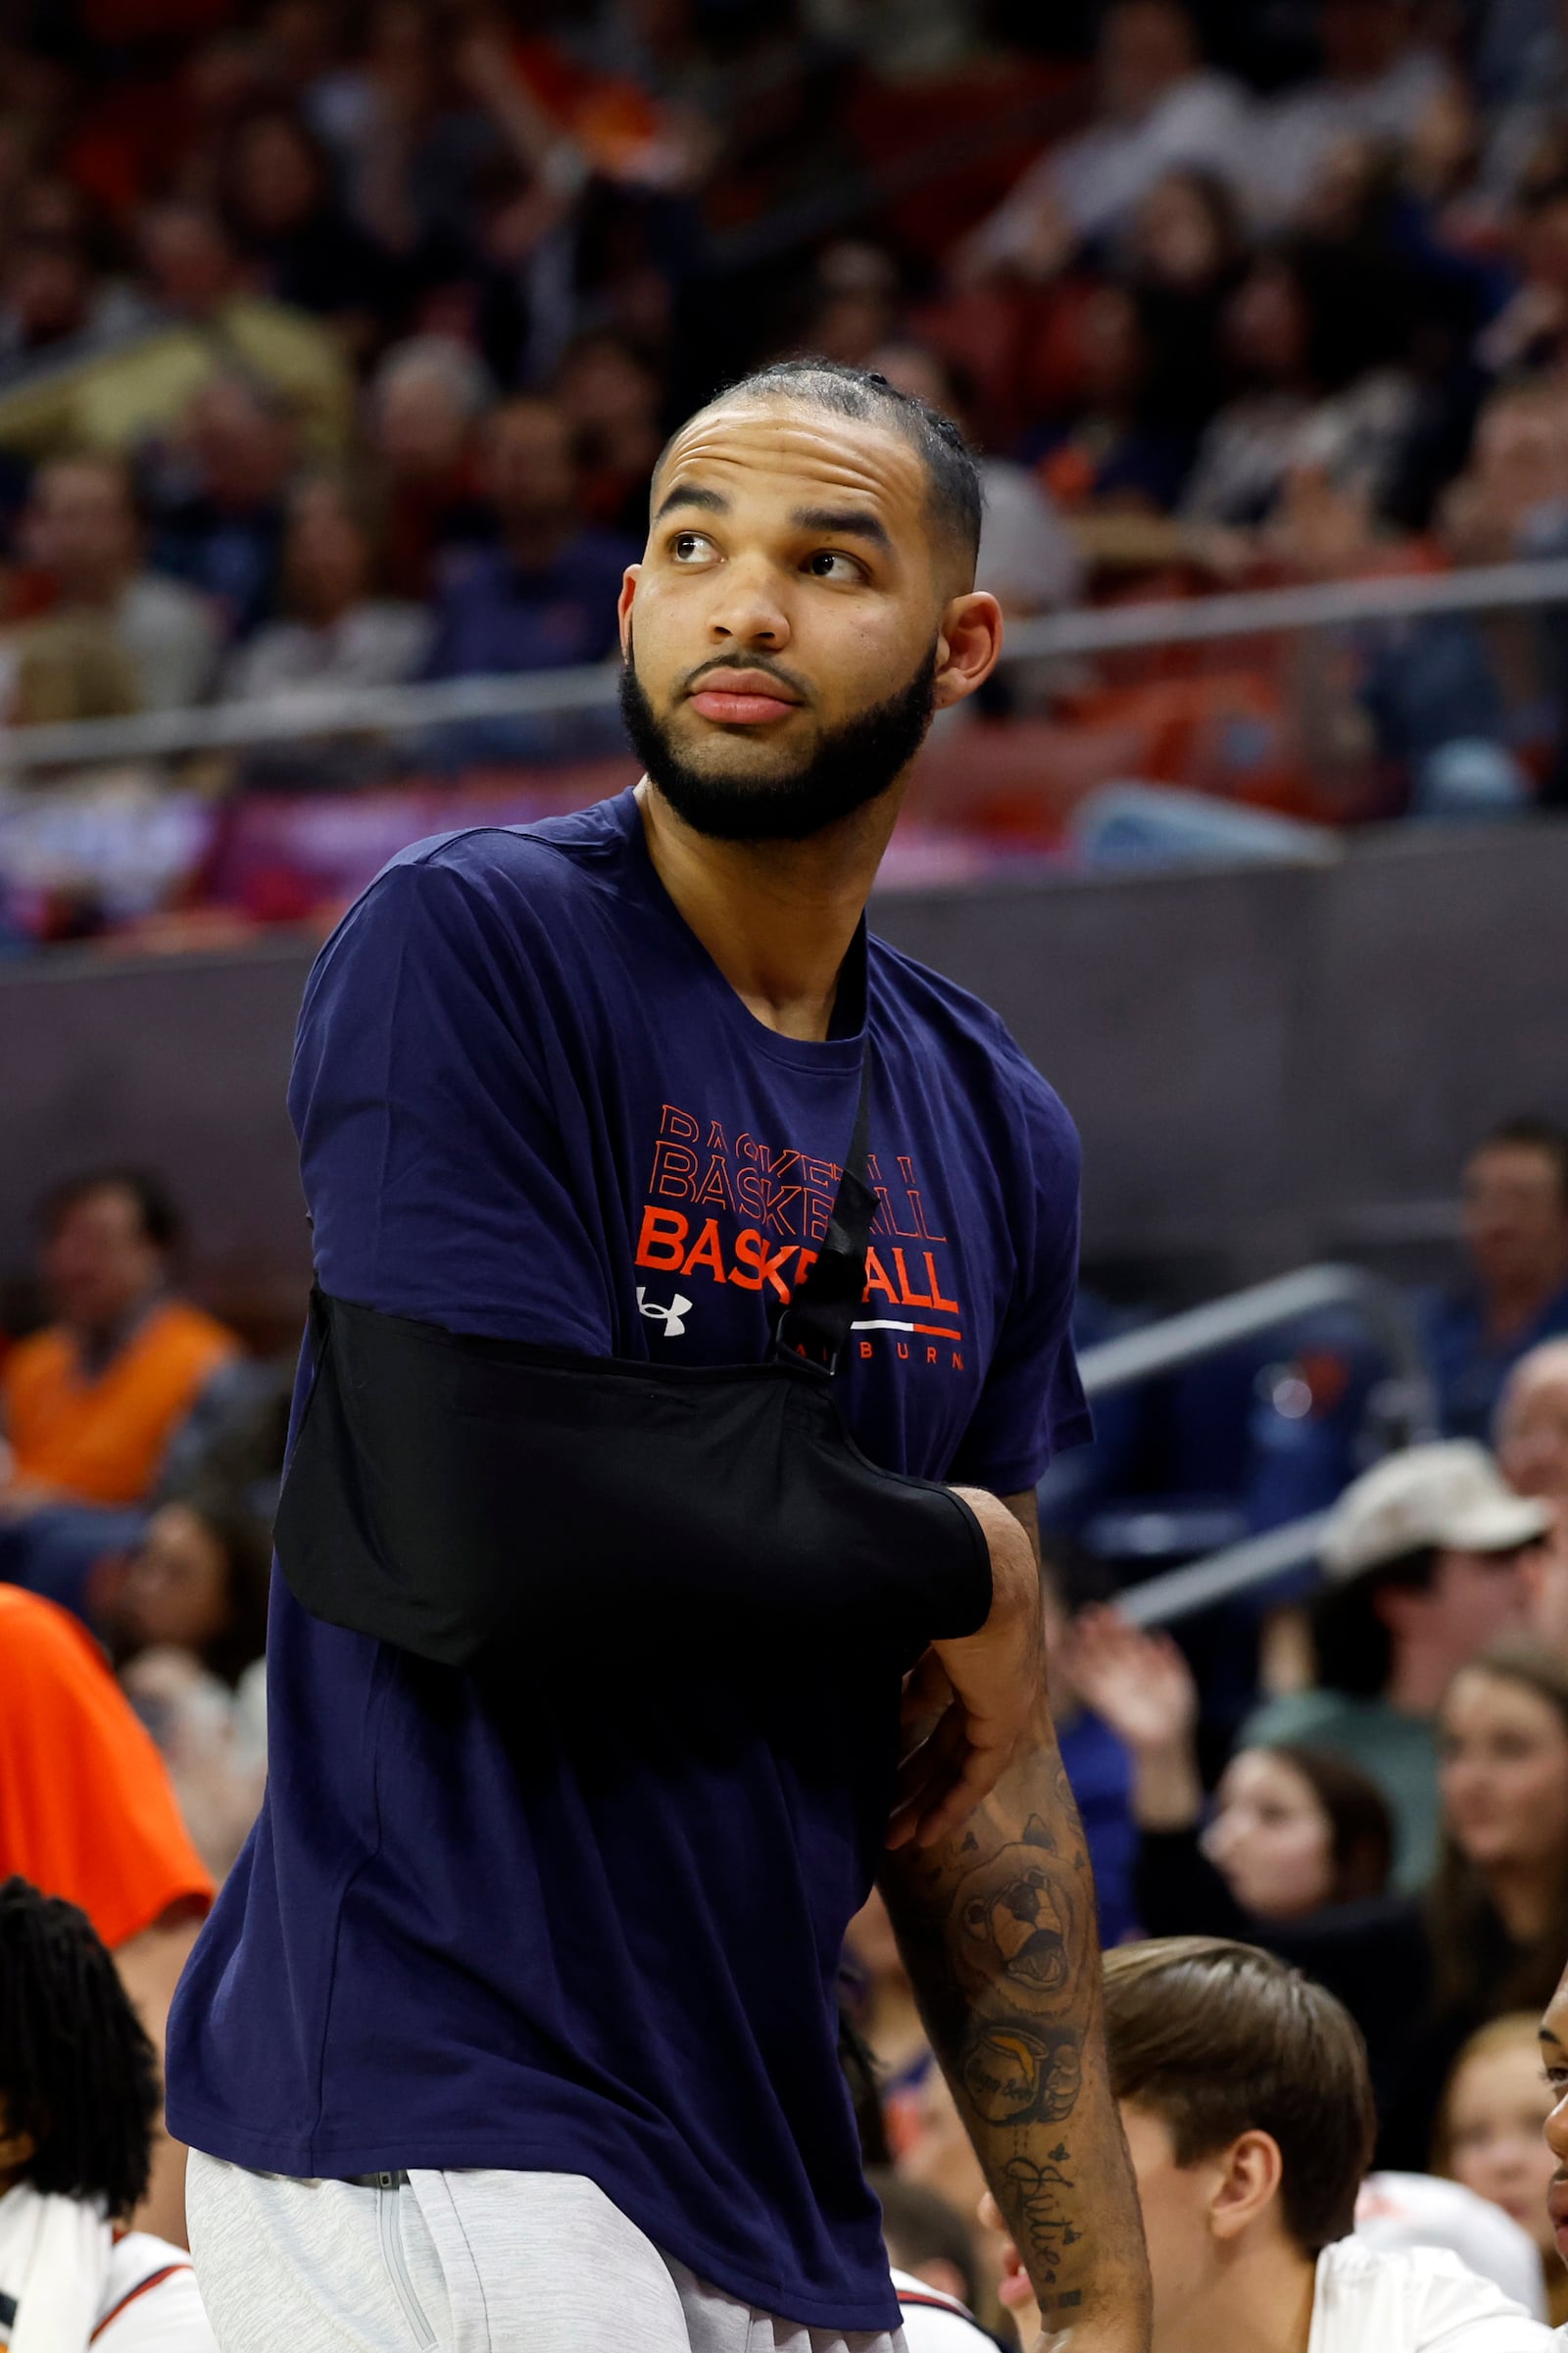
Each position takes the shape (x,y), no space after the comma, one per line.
(1419,2300)
(934,2323)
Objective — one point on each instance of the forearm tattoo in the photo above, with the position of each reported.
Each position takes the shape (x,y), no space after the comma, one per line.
(997,1927)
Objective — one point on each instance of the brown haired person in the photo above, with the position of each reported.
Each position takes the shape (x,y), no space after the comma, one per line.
(1244,2095)
(1418,1973)
(1427,1557)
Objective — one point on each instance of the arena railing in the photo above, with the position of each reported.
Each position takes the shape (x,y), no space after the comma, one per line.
(303,714)
(1405,1406)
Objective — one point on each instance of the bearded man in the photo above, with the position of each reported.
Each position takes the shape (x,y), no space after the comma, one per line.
(658,1553)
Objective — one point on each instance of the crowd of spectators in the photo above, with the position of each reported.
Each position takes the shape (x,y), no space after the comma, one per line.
(1392,1816)
(337,343)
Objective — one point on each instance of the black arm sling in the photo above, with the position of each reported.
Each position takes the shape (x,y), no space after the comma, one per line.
(456,1496)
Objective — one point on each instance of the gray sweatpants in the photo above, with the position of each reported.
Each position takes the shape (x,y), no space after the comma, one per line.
(474,2262)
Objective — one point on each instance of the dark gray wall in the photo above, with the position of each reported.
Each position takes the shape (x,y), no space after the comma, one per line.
(1265,1063)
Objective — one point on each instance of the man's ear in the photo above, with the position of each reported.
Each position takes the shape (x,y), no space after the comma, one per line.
(1251,2171)
(17,2149)
(623,604)
(968,646)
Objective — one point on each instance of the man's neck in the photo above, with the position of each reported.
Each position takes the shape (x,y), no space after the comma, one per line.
(1511,1308)
(1262,2305)
(1419,1677)
(776,917)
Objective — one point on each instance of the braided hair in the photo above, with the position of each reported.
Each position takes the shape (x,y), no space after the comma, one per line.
(77,2072)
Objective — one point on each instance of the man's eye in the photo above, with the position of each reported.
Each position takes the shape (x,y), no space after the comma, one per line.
(828,564)
(690,547)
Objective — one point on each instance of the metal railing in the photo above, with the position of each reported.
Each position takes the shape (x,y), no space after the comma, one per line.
(1406,1409)
(381,711)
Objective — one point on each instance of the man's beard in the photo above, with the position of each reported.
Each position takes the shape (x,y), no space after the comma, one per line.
(852,765)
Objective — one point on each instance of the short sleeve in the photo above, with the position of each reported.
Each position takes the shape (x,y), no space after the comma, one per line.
(424,1097)
(163,2315)
(86,1808)
(1032,1407)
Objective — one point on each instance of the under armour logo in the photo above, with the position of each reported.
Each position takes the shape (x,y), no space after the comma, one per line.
(672,1317)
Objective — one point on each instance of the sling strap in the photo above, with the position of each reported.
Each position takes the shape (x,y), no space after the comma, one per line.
(814,1324)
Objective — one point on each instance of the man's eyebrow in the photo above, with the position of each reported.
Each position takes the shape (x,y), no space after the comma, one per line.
(1547,2034)
(844,522)
(692,494)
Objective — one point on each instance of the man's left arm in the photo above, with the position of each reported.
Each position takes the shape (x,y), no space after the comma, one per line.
(995,1923)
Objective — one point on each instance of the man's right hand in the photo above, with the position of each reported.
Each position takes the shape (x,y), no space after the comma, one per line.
(973,1704)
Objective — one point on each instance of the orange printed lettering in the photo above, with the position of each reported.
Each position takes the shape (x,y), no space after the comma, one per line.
(906,1297)
(957,1361)
(865,1349)
(930,1355)
(705,1251)
(678,1123)
(751,1250)
(663,1237)
(674,1167)
(937,1299)
(903,1348)
(876,1279)
(716,1185)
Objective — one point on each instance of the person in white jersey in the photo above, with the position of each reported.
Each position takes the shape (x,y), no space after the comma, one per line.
(1248,2107)
(79,2101)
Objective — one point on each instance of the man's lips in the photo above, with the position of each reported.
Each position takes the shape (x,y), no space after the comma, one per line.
(1557,2212)
(743,699)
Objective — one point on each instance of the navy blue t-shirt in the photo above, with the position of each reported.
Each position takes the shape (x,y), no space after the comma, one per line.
(579,1916)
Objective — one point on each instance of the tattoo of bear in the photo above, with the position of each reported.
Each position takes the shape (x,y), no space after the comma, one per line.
(1020,1920)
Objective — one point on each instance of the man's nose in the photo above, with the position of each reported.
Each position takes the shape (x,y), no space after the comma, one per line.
(748,609)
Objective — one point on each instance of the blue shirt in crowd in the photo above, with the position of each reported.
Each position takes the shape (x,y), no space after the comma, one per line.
(577,1916)
(1469,1366)
(492,616)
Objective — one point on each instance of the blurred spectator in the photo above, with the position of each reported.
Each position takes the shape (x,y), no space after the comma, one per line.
(1378,83)
(931,2254)
(186,1619)
(87,1812)
(79,2080)
(83,533)
(1113,448)
(1184,256)
(855,289)
(1157,107)
(1301,400)
(90,1405)
(53,308)
(1531,1431)
(1424,1556)
(1532,329)
(293,236)
(544,599)
(614,395)
(221,510)
(199,323)
(425,402)
(1400,2210)
(1516,1239)
(340,633)
(1489,2134)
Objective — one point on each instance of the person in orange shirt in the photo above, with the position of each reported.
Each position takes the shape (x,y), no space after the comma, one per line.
(89,1405)
(87,1812)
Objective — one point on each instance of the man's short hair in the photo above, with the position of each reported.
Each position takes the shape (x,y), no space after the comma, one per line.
(1529,1133)
(1217,2039)
(162,1224)
(954,497)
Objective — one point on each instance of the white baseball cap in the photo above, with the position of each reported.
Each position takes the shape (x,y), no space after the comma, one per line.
(1450,1494)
